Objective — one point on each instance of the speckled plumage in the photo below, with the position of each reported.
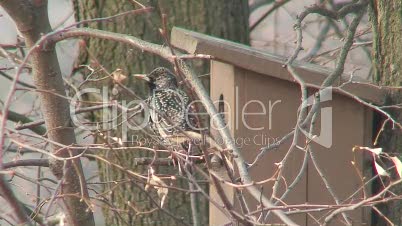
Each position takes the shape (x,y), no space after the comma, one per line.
(170,106)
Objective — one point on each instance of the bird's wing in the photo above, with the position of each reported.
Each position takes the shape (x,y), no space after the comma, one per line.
(169,109)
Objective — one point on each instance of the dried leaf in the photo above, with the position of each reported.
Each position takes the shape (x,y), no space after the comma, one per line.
(376,151)
(117,139)
(118,75)
(62,218)
(159,185)
(398,165)
(380,170)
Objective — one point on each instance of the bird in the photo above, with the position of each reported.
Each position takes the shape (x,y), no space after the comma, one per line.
(172,116)
(170,110)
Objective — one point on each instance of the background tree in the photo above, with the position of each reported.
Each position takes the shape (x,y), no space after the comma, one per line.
(386,19)
(32,21)
(224,19)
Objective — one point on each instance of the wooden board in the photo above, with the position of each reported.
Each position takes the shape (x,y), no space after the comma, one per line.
(249,79)
(268,64)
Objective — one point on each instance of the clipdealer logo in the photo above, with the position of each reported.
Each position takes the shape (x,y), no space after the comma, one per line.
(240,142)
(240,114)
(256,140)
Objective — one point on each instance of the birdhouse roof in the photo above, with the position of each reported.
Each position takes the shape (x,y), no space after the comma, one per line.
(264,63)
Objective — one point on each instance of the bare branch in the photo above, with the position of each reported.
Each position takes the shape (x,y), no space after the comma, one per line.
(18,211)
(26,162)
(32,21)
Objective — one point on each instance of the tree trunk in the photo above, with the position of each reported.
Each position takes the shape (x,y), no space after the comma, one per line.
(386,18)
(32,21)
(225,19)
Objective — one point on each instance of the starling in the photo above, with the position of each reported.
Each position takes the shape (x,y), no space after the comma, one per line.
(170,110)
(172,117)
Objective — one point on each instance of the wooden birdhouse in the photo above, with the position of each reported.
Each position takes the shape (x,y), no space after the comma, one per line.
(262,102)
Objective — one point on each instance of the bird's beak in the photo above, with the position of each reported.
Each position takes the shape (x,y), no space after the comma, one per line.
(142,77)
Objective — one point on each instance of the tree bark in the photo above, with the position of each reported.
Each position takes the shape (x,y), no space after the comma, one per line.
(225,19)
(386,18)
(32,21)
